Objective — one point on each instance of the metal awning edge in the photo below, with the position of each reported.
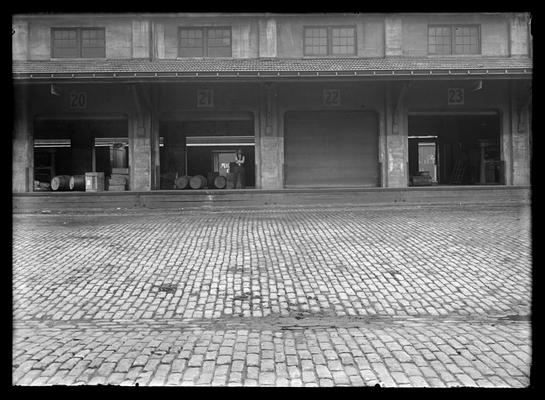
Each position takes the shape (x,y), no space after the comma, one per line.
(271,74)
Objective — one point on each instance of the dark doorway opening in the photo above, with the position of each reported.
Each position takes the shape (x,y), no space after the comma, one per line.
(76,146)
(203,148)
(455,149)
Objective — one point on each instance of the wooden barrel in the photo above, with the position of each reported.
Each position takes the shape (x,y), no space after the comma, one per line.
(181,182)
(60,182)
(220,182)
(77,182)
(197,182)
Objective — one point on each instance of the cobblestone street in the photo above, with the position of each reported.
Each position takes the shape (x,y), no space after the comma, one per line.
(354,296)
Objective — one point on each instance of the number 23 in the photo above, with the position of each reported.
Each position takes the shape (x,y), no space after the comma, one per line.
(455,96)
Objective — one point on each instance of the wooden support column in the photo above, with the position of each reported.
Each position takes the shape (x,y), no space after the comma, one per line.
(270,144)
(23,150)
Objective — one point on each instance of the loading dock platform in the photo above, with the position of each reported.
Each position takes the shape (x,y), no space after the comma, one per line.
(256,198)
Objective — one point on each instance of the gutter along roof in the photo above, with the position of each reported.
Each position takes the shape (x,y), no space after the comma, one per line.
(270,67)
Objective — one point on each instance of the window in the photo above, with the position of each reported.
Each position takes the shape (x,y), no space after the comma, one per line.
(452,39)
(331,40)
(78,42)
(316,41)
(204,42)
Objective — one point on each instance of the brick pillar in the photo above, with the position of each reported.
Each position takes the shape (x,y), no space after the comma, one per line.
(159,37)
(506,142)
(23,150)
(140,152)
(396,137)
(267,38)
(519,35)
(269,142)
(393,36)
(520,132)
(140,39)
(140,141)
(22,143)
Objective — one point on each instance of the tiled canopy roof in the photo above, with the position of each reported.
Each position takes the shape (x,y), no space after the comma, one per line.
(270,66)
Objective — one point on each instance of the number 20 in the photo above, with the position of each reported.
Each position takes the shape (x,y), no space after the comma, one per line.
(78,100)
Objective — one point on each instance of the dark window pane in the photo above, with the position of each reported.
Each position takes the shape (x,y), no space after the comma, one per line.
(191,37)
(78,42)
(343,41)
(439,40)
(65,43)
(191,52)
(316,50)
(219,42)
(93,44)
(93,52)
(191,43)
(219,37)
(466,40)
(219,51)
(315,41)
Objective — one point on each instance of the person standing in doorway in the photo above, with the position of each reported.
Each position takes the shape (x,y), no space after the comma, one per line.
(239,170)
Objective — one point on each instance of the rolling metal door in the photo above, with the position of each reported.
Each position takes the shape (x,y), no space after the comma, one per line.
(331,148)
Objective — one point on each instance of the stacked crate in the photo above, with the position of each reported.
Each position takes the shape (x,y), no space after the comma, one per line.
(94,181)
(119,180)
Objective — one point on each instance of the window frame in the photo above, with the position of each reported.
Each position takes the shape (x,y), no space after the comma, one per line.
(79,41)
(205,48)
(329,40)
(452,28)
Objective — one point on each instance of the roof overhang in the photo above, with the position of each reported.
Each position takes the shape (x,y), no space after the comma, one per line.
(522,73)
(388,68)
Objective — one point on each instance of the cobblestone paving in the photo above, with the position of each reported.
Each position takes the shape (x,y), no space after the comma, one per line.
(413,296)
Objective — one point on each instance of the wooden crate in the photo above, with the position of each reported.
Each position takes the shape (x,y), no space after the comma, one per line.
(94,181)
(116,188)
(123,171)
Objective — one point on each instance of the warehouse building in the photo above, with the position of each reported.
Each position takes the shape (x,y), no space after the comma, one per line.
(313,100)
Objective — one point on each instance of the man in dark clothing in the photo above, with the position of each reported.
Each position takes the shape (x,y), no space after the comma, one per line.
(239,170)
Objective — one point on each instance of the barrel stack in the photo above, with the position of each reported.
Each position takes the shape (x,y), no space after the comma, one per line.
(119,180)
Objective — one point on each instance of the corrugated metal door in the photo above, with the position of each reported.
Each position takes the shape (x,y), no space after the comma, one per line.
(331,148)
